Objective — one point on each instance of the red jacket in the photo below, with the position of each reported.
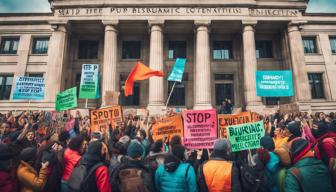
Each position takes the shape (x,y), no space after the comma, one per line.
(103,179)
(326,146)
(70,159)
(7,181)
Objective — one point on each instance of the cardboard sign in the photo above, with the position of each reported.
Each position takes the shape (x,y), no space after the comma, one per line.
(200,128)
(101,118)
(167,128)
(111,98)
(246,136)
(178,70)
(31,88)
(67,99)
(227,120)
(89,82)
(274,83)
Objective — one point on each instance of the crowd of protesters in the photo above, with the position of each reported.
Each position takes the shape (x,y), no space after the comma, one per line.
(38,154)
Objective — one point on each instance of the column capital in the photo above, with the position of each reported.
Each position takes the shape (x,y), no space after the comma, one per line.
(296,25)
(156,22)
(204,23)
(110,22)
(252,23)
(59,25)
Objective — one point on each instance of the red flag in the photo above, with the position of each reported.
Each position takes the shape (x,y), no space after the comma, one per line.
(139,72)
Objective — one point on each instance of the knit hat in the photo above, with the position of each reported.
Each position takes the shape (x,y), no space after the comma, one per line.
(299,148)
(178,151)
(267,143)
(5,153)
(171,162)
(97,135)
(135,149)
(221,145)
(294,128)
(28,154)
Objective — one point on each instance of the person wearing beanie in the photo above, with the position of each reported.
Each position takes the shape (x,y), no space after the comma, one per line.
(28,177)
(99,180)
(156,155)
(96,136)
(272,162)
(219,173)
(124,173)
(175,174)
(8,181)
(307,173)
(293,130)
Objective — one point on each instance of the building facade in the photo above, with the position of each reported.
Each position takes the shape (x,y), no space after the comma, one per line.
(225,43)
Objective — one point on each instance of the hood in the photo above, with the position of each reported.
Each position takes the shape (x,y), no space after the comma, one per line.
(171,163)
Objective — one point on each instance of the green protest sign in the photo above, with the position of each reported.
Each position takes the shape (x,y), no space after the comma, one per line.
(89,82)
(245,136)
(67,99)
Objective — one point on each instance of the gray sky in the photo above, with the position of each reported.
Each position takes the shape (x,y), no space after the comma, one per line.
(14,6)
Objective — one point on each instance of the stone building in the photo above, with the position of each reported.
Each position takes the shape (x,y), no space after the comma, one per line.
(225,43)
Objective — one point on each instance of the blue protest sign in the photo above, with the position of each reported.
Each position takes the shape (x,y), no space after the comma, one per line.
(31,88)
(274,83)
(176,73)
(89,81)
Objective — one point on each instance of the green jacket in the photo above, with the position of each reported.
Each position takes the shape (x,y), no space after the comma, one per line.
(314,177)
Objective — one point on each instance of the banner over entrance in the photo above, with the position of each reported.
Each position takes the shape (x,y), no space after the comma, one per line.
(274,83)
(200,128)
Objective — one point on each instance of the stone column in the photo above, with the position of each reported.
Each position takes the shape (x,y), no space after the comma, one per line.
(300,76)
(156,84)
(202,67)
(57,50)
(109,69)
(252,101)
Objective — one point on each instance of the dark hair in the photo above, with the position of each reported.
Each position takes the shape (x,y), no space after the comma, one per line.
(76,143)
(64,135)
(157,146)
(143,133)
(178,151)
(175,140)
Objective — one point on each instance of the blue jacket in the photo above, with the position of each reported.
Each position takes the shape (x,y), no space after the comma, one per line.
(272,171)
(177,181)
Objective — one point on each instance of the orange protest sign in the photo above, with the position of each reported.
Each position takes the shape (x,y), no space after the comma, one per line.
(167,127)
(226,120)
(100,118)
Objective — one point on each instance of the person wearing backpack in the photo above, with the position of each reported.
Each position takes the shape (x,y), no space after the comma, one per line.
(219,173)
(92,174)
(176,175)
(131,175)
(71,157)
(307,173)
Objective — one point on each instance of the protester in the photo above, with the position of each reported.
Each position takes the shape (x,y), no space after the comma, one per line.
(219,173)
(307,173)
(175,173)
(8,182)
(156,155)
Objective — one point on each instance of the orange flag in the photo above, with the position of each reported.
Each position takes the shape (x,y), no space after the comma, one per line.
(139,72)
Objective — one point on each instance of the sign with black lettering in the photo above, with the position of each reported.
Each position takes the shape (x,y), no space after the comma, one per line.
(101,118)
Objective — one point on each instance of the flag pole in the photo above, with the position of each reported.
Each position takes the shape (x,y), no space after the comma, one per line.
(170,94)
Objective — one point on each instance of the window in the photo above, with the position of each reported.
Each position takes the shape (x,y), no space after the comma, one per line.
(309,44)
(35,74)
(223,88)
(178,95)
(131,49)
(132,100)
(40,45)
(177,49)
(333,44)
(223,77)
(272,100)
(77,82)
(222,50)
(316,85)
(9,45)
(88,49)
(264,49)
(5,86)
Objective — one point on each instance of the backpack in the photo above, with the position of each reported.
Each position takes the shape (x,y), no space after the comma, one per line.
(79,176)
(131,180)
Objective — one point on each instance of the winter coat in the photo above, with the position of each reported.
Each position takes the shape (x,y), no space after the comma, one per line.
(314,177)
(29,180)
(183,179)
(70,159)
(154,160)
(271,172)
(326,147)
(100,181)
(8,181)
(219,175)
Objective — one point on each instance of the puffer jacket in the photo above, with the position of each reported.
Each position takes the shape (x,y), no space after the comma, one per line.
(182,179)
(271,172)
(70,159)
(314,177)
(29,180)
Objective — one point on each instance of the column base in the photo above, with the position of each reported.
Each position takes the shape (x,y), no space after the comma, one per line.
(156,109)
(202,106)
